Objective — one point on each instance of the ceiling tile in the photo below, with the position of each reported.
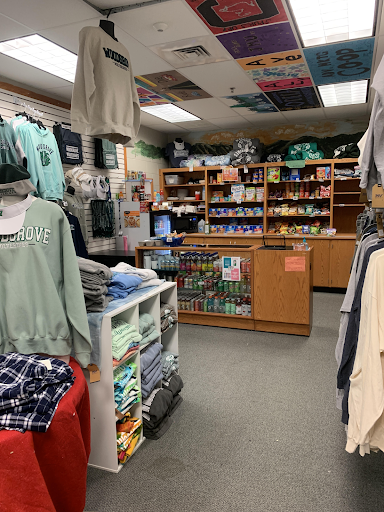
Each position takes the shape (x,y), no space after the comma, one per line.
(172,84)
(10,29)
(312,114)
(181,21)
(232,122)
(210,108)
(346,111)
(28,75)
(198,125)
(167,128)
(257,102)
(218,78)
(294,99)
(150,120)
(40,14)
(261,120)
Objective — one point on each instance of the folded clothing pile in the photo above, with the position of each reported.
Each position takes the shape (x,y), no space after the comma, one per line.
(95,277)
(159,407)
(147,275)
(126,390)
(147,329)
(128,431)
(170,364)
(122,285)
(31,388)
(168,316)
(125,339)
(151,369)
(304,151)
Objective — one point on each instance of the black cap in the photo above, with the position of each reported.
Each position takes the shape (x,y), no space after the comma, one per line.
(9,173)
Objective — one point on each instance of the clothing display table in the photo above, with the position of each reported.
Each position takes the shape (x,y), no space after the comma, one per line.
(47,471)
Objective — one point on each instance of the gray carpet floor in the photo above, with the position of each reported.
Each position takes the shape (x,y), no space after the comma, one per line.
(258,431)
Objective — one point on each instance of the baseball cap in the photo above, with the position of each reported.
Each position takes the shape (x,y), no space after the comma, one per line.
(14,180)
(12,217)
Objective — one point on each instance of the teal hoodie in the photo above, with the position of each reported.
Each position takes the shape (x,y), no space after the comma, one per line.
(44,163)
(42,308)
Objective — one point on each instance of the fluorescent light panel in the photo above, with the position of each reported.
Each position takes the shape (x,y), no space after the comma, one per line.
(347,93)
(171,113)
(329,21)
(42,54)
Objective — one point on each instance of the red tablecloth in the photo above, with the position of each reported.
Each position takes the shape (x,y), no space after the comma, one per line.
(46,472)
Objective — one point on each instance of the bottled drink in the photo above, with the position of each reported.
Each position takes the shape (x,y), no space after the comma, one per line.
(233,306)
(225,286)
(216,305)
(161,195)
(248,284)
(210,304)
(227,306)
(198,263)
(204,263)
(182,263)
(205,306)
(238,306)
(243,285)
(222,305)
(188,264)
(193,263)
(231,286)
(244,307)
(249,306)
(210,264)
(206,228)
(237,286)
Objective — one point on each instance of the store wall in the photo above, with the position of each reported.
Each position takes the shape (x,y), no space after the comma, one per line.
(271,134)
(145,157)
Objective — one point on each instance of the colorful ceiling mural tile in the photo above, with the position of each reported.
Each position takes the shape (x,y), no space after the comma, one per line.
(272,60)
(148,98)
(279,73)
(294,99)
(290,83)
(340,62)
(259,40)
(172,84)
(228,15)
(256,102)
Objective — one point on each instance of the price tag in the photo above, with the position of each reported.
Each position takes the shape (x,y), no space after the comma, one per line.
(47,363)
(169,239)
(190,168)
(341,204)
(311,197)
(312,215)
(245,169)
(238,202)
(295,198)
(343,179)
(276,182)
(94,373)
(280,198)
(321,179)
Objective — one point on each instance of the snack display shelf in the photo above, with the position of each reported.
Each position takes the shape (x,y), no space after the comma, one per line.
(185,185)
(348,193)
(341,205)
(234,202)
(298,198)
(184,200)
(235,216)
(347,178)
(299,181)
(297,215)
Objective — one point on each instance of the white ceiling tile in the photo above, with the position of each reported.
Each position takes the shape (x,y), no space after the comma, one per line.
(232,122)
(28,75)
(182,23)
(209,108)
(109,4)
(265,119)
(40,14)
(309,114)
(10,29)
(150,120)
(218,78)
(201,125)
(346,111)
(167,128)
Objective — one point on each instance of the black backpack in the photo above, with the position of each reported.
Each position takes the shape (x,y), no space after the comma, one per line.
(70,145)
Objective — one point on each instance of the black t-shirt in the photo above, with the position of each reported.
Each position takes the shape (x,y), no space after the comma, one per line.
(176,152)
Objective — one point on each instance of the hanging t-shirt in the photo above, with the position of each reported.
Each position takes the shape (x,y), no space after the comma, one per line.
(75,205)
(77,237)
(11,151)
(177,151)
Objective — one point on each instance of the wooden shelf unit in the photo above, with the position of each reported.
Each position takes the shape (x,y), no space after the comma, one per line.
(101,394)
(344,188)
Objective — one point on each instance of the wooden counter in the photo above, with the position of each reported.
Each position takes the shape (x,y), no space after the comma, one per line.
(331,259)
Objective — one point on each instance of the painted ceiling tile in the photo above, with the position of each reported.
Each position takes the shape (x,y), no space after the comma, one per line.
(279,73)
(228,15)
(272,60)
(340,62)
(290,83)
(259,40)
(257,102)
(173,85)
(294,99)
(147,97)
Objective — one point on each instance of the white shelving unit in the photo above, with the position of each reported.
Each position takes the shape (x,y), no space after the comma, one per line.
(103,420)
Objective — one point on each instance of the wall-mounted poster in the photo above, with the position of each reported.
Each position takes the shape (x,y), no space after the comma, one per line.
(231,268)
(132,219)
(259,40)
(340,62)
(173,84)
(294,99)
(278,73)
(228,15)
(290,83)
(255,102)
(272,60)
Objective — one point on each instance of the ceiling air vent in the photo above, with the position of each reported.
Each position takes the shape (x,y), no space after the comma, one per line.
(192,53)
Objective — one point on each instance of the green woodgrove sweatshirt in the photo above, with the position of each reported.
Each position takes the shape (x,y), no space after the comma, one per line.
(42,306)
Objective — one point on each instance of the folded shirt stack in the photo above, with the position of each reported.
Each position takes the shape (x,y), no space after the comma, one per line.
(122,285)
(147,275)
(147,328)
(170,364)
(126,390)
(125,339)
(95,277)
(159,407)
(128,431)
(168,316)
(151,368)
(31,388)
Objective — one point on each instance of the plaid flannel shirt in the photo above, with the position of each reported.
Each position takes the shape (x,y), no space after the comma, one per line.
(29,392)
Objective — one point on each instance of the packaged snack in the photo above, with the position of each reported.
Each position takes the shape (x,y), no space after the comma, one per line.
(277,211)
(258,229)
(250,193)
(261,174)
(217,193)
(301,209)
(309,209)
(230,212)
(213,228)
(255,177)
(229,229)
(284,209)
(314,230)
(259,211)
(239,229)
(221,229)
(249,212)
(331,232)
(212,212)
(260,194)
(271,228)
(273,174)
(238,192)
(306,229)
(320,172)
(294,174)
(284,228)
(291,229)
(219,177)
(271,209)
(292,209)
(299,229)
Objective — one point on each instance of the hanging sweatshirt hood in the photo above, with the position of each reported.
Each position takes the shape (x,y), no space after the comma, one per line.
(105,103)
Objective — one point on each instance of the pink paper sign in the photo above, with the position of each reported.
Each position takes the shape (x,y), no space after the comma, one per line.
(288,83)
